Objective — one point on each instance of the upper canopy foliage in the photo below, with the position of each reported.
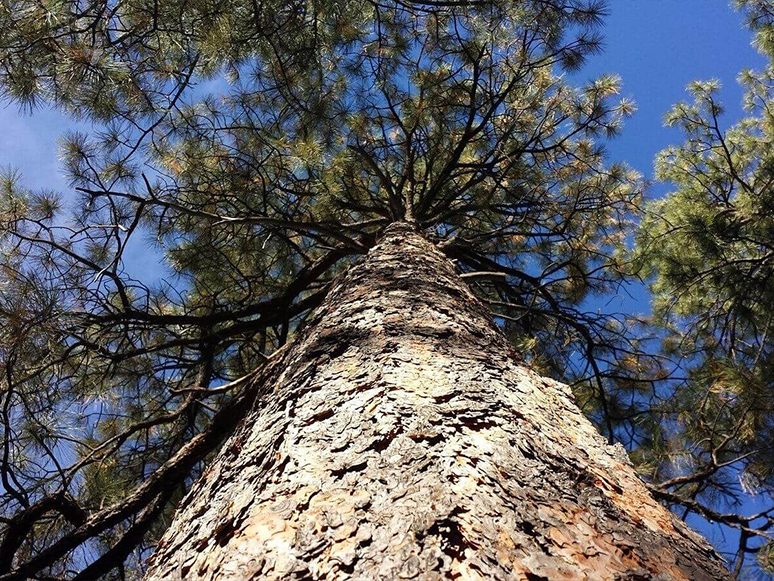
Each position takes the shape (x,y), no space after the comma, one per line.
(256,149)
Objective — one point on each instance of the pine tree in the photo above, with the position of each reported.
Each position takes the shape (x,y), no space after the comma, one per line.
(409,133)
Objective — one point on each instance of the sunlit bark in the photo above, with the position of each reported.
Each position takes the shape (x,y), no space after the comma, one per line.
(400,437)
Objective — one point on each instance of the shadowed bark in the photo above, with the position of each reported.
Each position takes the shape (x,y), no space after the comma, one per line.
(399,437)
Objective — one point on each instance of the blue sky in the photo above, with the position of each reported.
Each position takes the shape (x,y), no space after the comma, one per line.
(657,46)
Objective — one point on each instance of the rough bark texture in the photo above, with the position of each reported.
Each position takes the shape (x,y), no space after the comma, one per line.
(399,437)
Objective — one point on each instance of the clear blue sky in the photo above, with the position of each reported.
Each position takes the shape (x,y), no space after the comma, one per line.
(657,46)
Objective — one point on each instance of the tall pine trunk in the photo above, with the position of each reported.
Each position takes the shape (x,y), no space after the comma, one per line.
(399,437)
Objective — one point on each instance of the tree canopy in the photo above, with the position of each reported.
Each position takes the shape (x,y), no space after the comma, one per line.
(258,148)
(708,249)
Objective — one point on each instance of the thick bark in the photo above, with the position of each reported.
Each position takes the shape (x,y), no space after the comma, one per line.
(399,437)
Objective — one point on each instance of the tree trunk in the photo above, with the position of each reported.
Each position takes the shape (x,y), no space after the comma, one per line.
(399,437)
